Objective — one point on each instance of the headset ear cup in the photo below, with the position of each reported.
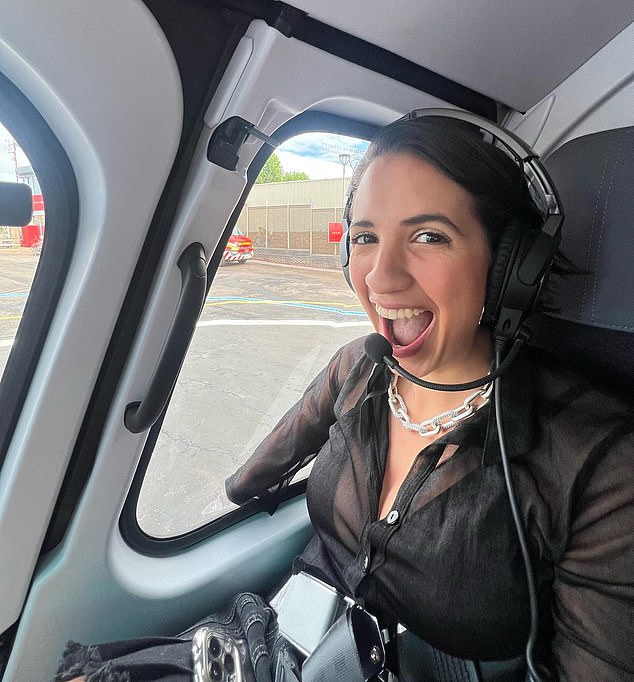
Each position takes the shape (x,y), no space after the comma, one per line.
(344,247)
(344,253)
(500,270)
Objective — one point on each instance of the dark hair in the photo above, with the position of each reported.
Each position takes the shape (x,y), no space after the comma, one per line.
(459,150)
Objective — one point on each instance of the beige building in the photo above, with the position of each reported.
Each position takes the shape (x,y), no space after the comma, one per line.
(318,193)
(289,220)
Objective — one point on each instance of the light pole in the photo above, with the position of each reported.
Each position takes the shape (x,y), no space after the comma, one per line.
(344,160)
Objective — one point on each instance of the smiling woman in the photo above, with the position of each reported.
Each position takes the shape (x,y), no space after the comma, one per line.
(147,123)
(421,531)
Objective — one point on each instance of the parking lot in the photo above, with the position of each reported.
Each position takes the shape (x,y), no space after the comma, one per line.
(17,267)
(255,291)
(265,331)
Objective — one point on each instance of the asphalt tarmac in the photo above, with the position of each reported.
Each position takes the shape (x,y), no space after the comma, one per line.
(264,333)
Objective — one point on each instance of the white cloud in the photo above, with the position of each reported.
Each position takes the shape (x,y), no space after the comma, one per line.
(317,154)
(315,168)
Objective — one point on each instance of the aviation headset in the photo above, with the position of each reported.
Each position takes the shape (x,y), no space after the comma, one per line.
(523,255)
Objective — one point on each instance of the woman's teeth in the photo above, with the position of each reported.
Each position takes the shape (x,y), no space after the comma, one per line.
(398,313)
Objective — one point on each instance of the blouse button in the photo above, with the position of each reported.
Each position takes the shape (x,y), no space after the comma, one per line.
(392,517)
(366,563)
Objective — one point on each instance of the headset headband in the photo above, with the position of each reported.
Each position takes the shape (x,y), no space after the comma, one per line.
(526,157)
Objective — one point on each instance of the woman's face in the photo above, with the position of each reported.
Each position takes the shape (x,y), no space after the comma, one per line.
(419,262)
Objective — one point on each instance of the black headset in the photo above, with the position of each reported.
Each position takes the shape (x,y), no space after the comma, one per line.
(524,253)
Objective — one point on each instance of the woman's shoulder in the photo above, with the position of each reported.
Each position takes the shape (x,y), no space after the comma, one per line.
(352,356)
(584,428)
(349,371)
(574,392)
(583,452)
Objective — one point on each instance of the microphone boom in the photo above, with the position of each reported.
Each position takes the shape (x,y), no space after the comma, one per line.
(379,349)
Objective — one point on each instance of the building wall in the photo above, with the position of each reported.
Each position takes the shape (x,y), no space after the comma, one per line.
(320,193)
(288,221)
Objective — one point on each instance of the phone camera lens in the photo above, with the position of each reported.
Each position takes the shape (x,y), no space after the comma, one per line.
(230,665)
(216,671)
(214,647)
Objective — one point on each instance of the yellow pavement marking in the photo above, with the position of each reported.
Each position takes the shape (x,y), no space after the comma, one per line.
(277,302)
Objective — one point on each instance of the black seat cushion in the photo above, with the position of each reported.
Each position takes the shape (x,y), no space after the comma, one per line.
(594,323)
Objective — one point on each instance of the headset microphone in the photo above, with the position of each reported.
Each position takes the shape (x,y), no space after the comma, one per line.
(379,350)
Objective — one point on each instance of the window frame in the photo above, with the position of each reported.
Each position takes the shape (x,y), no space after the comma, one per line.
(131,532)
(59,188)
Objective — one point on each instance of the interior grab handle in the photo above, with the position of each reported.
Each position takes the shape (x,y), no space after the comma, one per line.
(140,416)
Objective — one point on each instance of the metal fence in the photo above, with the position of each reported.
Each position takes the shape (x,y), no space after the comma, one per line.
(295,227)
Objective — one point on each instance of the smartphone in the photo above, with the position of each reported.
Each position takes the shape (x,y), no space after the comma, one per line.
(218,657)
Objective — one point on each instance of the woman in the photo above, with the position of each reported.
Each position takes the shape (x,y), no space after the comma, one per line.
(407,493)
(413,520)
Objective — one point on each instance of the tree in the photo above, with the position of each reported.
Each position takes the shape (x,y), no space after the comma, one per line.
(272,171)
(295,175)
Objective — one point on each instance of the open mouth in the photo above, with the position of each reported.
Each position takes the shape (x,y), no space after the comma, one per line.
(405,328)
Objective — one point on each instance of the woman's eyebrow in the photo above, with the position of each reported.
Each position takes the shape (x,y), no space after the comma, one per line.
(430,218)
(419,219)
(362,223)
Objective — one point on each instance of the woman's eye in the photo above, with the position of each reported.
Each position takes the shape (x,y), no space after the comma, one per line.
(363,238)
(431,238)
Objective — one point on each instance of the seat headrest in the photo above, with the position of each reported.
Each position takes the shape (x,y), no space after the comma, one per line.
(594,324)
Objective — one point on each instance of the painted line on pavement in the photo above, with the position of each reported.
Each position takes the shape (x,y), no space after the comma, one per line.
(279,323)
(258,323)
(323,306)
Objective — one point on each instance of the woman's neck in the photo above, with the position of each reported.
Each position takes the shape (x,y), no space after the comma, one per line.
(423,403)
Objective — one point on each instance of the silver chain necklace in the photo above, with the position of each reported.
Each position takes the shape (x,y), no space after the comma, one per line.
(441,422)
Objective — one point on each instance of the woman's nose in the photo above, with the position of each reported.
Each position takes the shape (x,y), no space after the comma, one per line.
(388,272)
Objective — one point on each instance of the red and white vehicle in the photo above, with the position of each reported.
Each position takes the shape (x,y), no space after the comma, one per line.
(239,248)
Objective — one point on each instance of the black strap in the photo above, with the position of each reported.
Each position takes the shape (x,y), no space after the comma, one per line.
(417,661)
(414,660)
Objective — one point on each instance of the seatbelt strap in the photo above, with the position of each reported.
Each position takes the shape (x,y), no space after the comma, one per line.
(414,660)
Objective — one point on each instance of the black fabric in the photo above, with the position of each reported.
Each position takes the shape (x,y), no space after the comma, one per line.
(169,659)
(145,658)
(449,568)
(417,661)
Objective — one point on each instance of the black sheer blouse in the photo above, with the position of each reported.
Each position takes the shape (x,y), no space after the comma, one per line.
(445,562)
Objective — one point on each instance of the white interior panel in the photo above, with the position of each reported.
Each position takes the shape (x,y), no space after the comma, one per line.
(515,52)
(98,107)
(598,96)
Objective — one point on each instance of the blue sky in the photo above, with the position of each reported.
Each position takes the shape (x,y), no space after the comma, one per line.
(317,154)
